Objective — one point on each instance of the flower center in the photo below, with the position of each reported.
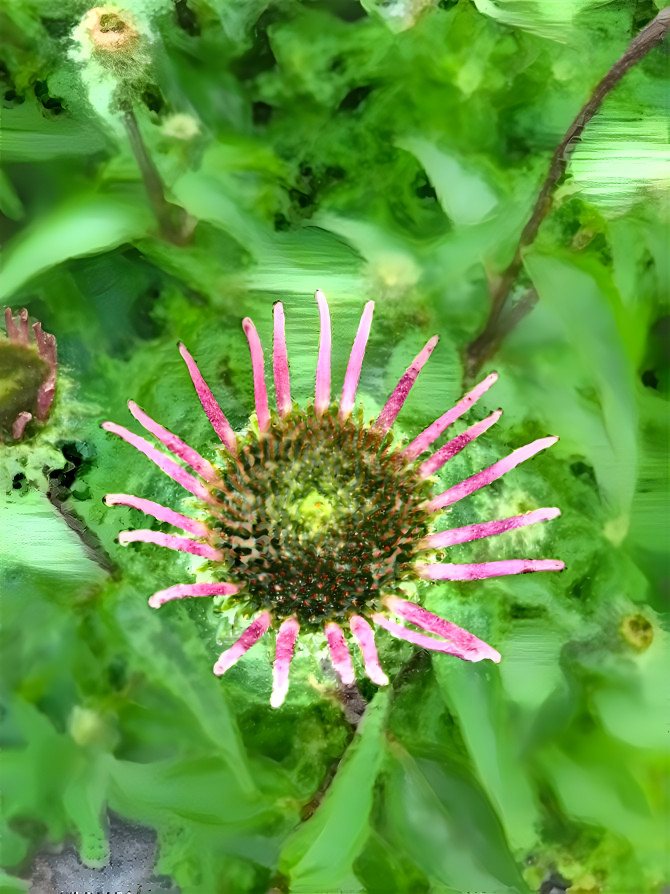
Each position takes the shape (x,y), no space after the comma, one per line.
(320,517)
(112,22)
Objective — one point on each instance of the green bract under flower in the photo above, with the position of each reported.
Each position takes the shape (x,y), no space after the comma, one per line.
(317,517)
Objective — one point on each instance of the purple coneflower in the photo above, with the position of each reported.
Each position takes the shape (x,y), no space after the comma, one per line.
(317,518)
(29,361)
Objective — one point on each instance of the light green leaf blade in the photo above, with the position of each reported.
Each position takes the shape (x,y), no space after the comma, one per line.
(464,194)
(577,300)
(439,818)
(86,225)
(319,855)
(474,694)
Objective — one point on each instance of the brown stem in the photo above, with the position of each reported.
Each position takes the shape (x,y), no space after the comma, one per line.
(91,543)
(486,343)
(309,809)
(171,218)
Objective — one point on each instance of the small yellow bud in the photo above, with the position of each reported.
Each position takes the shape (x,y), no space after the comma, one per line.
(637,631)
(90,728)
(181,126)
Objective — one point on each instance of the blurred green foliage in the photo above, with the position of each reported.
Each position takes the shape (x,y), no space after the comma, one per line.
(386,150)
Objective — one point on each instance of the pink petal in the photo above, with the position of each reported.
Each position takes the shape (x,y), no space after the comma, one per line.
(24,327)
(10,326)
(421,617)
(394,404)
(486,476)
(258,368)
(183,544)
(280,363)
(483,570)
(214,412)
(162,513)
(353,372)
(19,424)
(174,444)
(430,434)
(364,636)
(18,329)
(249,638)
(442,539)
(459,642)
(474,653)
(46,347)
(339,653)
(164,463)
(182,591)
(45,396)
(453,447)
(286,637)
(322,393)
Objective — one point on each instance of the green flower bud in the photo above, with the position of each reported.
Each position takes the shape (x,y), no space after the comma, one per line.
(90,728)
(112,45)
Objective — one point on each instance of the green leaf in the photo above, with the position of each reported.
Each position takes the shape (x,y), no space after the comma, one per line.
(465,196)
(37,536)
(85,225)
(475,696)
(192,789)
(320,854)
(11,885)
(577,301)
(84,800)
(29,136)
(602,784)
(439,817)
(631,698)
(10,203)
(618,157)
(34,773)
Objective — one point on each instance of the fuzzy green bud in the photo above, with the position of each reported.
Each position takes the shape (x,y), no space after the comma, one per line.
(113,46)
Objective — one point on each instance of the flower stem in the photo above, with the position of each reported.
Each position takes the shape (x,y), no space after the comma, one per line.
(171,218)
(501,320)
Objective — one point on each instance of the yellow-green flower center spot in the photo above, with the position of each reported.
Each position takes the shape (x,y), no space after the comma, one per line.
(313,513)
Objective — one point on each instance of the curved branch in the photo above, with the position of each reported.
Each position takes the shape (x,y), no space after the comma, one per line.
(487,342)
